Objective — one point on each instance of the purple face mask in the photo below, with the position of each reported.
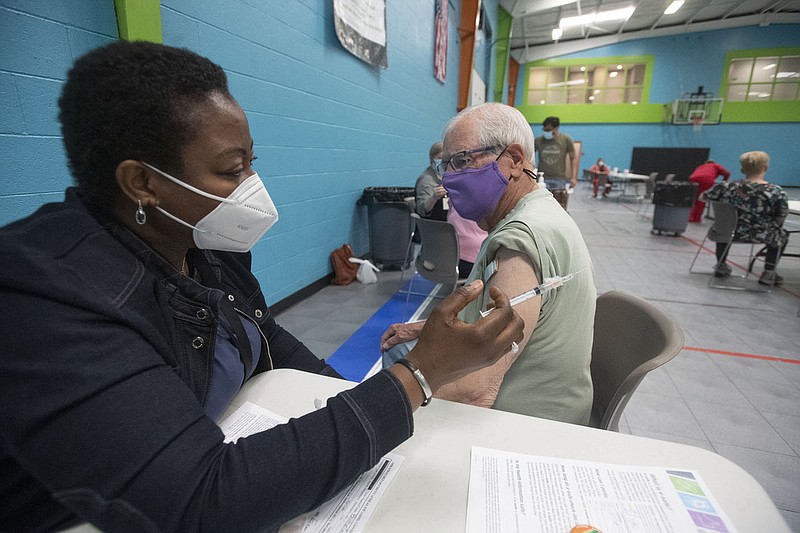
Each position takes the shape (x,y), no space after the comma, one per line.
(475,192)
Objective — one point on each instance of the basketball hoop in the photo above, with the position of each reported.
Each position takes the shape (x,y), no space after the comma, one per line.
(697,123)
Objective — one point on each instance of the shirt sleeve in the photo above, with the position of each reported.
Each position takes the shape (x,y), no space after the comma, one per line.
(93,413)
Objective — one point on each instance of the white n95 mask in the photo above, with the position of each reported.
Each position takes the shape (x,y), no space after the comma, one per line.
(237,223)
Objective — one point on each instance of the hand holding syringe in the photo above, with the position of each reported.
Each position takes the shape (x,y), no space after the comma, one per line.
(548,285)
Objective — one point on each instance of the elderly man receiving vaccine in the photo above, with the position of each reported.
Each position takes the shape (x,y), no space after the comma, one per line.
(488,173)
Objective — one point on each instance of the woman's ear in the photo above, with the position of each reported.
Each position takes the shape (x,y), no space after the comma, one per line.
(133,179)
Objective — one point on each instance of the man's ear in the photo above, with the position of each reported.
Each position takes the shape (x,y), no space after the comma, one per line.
(133,179)
(517,156)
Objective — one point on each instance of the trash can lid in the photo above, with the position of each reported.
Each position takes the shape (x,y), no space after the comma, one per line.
(372,195)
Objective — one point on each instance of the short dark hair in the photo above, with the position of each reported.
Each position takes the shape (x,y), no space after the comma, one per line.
(131,100)
(553,122)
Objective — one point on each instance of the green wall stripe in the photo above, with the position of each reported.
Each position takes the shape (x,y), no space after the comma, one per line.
(139,20)
(502,51)
(595,113)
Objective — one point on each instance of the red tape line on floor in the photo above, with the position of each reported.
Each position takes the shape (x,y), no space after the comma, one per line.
(746,355)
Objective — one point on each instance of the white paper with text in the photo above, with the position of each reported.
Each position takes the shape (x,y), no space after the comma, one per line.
(512,492)
(348,511)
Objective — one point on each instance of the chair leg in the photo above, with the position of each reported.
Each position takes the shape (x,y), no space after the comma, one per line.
(699,249)
(408,251)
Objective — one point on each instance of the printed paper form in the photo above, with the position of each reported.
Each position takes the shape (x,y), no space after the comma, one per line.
(348,511)
(511,492)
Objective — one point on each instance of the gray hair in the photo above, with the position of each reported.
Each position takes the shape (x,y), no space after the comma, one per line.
(498,125)
(754,162)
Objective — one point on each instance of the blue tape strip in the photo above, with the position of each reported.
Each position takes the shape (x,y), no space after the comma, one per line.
(362,350)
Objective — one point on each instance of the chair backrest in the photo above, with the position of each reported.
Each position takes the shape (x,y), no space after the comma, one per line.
(631,338)
(588,175)
(669,177)
(438,257)
(725,219)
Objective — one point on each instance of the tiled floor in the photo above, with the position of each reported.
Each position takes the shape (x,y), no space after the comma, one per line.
(719,393)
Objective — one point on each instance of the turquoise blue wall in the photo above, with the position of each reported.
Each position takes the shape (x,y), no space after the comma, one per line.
(40,40)
(325,124)
(683,62)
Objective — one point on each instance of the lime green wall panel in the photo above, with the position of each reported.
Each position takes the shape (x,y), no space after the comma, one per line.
(761,112)
(139,20)
(504,21)
(780,111)
(595,113)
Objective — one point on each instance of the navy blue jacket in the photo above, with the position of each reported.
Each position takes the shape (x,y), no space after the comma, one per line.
(106,356)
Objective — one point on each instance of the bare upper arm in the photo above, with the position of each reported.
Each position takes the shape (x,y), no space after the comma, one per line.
(515,275)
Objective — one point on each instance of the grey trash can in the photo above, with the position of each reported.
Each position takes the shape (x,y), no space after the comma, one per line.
(673,201)
(390,225)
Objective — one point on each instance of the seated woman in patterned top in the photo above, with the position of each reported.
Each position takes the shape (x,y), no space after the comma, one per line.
(762,208)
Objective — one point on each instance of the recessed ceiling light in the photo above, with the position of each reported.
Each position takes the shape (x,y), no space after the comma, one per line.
(673,7)
(583,69)
(613,74)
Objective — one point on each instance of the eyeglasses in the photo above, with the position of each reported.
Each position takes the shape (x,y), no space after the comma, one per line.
(462,160)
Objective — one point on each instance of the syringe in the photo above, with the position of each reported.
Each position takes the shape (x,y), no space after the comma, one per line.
(547,285)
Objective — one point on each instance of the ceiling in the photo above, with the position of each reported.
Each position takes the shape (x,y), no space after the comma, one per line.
(534,20)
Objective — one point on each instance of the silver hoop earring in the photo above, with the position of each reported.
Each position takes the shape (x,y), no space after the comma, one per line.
(141,216)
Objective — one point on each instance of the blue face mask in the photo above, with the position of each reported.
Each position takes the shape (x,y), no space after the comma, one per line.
(548,135)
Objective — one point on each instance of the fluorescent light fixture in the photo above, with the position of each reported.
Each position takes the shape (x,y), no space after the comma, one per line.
(603,16)
(771,65)
(783,75)
(673,7)
(557,33)
(569,22)
(615,14)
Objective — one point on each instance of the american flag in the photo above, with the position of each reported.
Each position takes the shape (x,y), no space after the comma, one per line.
(440,40)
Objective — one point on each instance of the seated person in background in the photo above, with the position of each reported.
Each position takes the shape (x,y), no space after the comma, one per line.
(430,195)
(705,175)
(470,238)
(488,151)
(136,320)
(600,168)
(762,207)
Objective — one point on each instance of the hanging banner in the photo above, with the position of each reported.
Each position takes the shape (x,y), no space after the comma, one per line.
(440,40)
(361,28)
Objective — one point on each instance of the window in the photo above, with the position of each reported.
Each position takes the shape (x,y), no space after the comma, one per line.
(615,83)
(768,78)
